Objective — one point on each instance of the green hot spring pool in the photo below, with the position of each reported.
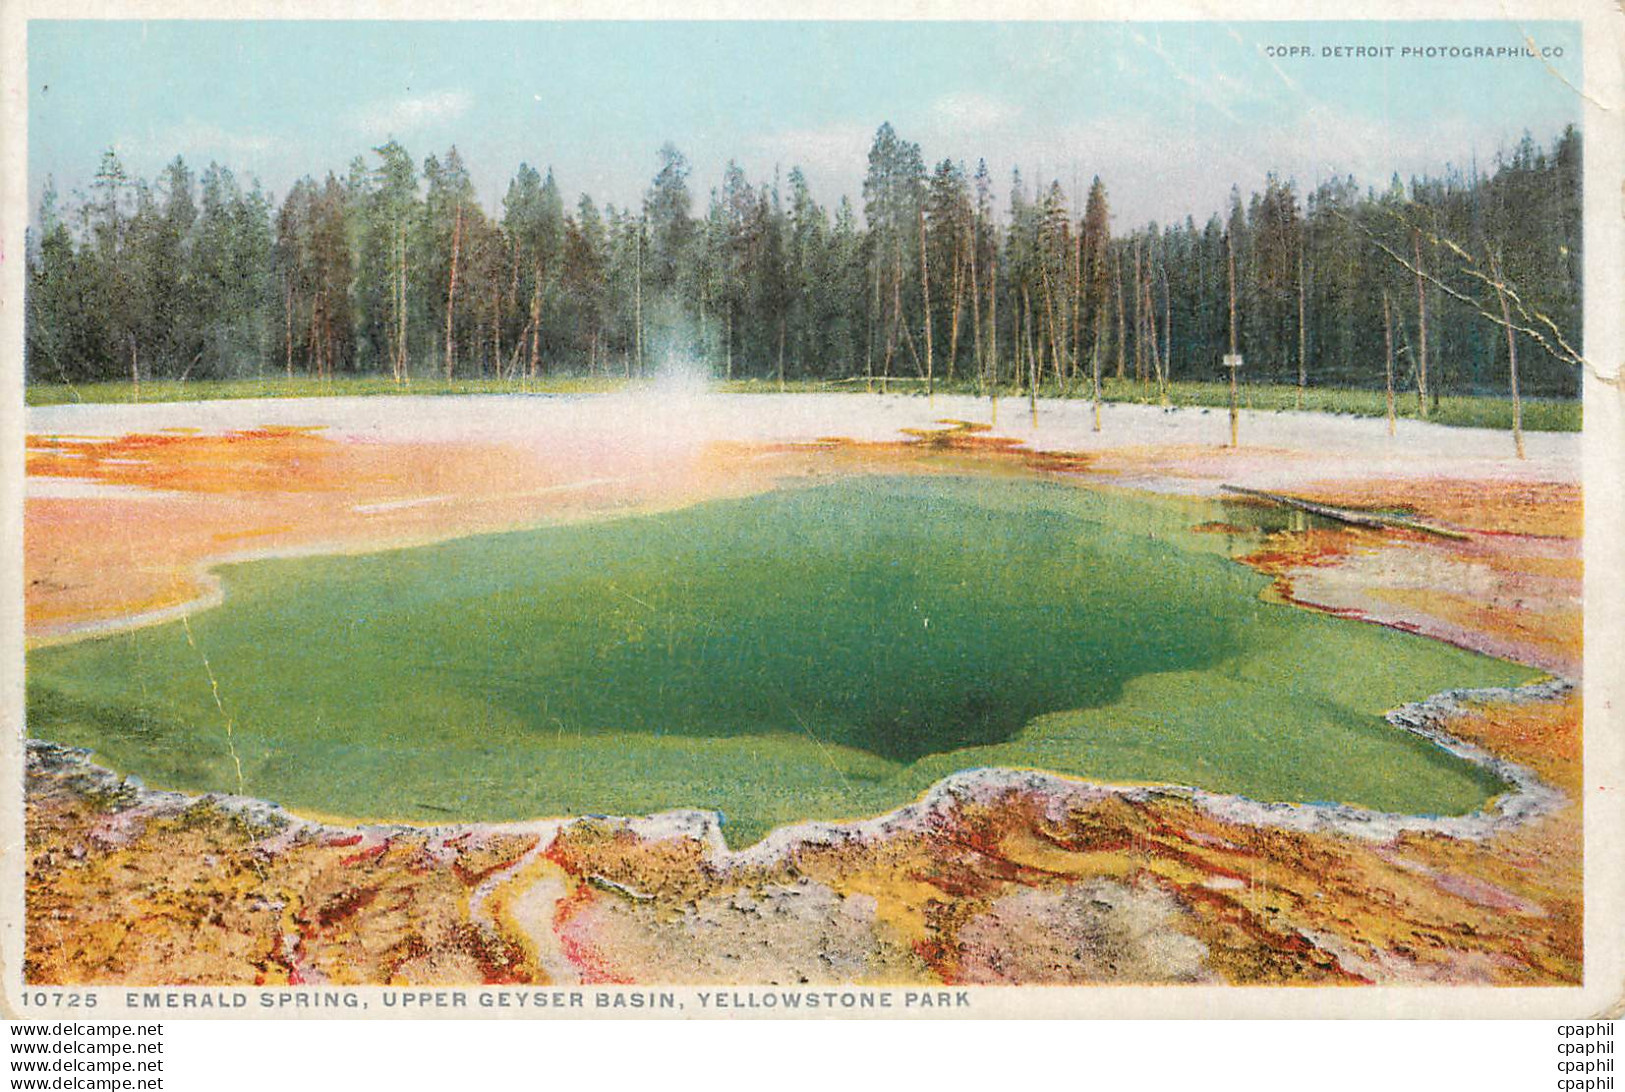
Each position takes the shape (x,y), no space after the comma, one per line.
(820,652)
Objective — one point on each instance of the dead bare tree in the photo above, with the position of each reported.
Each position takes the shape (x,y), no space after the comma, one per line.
(451,291)
(1057,364)
(1235,416)
(1167,334)
(287,322)
(637,286)
(1422,327)
(402,376)
(1077,298)
(1032,353)
(1388,345)
(976,311)
(1512,352)
(1122,322)
(895,320)
(1303,337)
(1510,312)
(925,288)
(1139,322)
(1157,366)
(496,328)
(1094,353)
(869,347)
(957,292)
(993,333)
(535,322)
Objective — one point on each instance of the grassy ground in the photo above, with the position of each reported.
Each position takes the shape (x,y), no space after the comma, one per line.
(826,652)
(168,390)
(1479,411)
(1473,411)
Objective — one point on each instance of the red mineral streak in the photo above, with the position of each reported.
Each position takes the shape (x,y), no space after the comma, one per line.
(369,854)
(574,939)
(344,906)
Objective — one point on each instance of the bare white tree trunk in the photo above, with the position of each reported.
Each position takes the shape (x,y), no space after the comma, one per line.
(1512,355)
(1388,344)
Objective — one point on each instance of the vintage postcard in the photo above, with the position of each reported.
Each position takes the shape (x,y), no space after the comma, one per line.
(864,513)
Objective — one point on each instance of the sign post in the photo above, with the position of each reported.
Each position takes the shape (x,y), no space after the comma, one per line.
(1232,361)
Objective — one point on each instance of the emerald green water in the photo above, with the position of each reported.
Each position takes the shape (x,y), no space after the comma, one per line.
(823,652)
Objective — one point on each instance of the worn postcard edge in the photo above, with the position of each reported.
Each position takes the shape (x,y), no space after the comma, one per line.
(1603,445)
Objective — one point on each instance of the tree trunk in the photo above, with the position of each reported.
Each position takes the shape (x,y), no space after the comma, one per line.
(451,292)
(958,291)
(637,287)
(1077,299)
(287,324)
(913,351)
(993,333)
(1094,360)
(1167,334)
(896,319)
(1436,382)
(1063,322)
(1235,415)
(314,335)
(976,313)
(1303,337)
(1055,337)
(1151,329)
(1422,327)
(1512,356)
(535,324)
(1032,353)
(496,328)
(519,347)
(869,347)
(394,335)
(707,350)
(402,376)
(1139,322)
(1388,345)
(513,275)
(925,288)
(1122,321)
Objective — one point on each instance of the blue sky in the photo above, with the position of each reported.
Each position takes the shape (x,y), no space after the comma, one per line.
(1170,115)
